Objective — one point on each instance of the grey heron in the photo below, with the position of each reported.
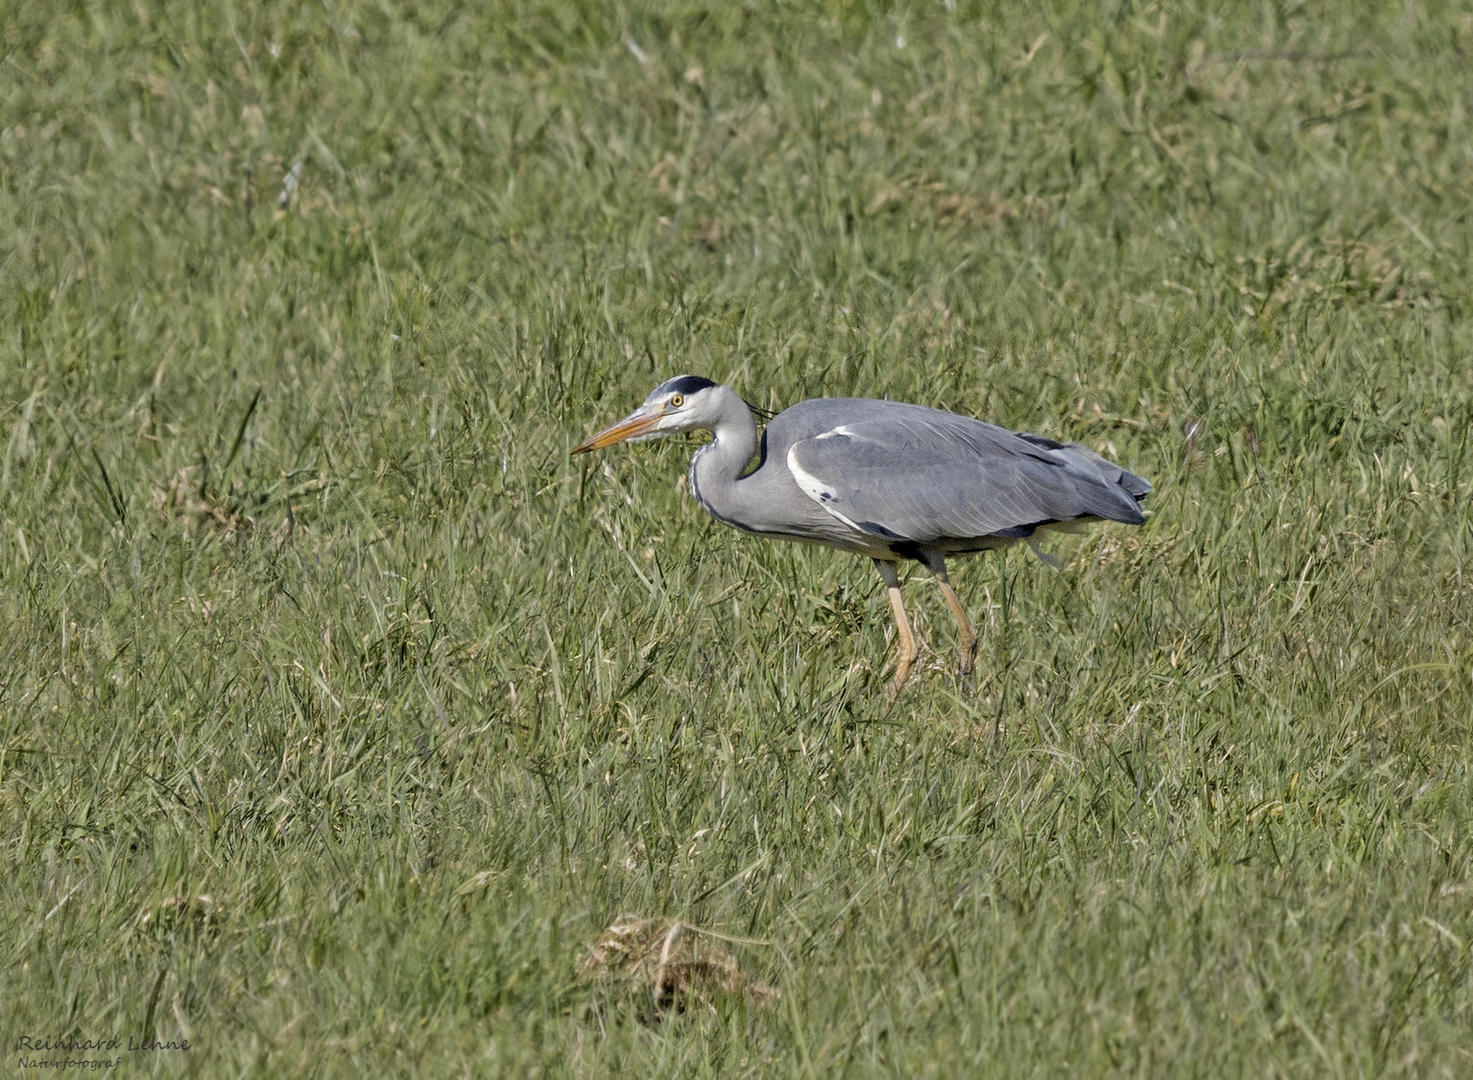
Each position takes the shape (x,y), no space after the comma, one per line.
(883,479)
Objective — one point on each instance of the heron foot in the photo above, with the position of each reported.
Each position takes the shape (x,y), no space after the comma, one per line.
(966,681)
(968,651)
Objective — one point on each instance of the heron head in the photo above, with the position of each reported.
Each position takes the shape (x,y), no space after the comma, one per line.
(684,403)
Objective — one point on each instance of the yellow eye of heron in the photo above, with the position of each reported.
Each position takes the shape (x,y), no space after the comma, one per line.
(677,400)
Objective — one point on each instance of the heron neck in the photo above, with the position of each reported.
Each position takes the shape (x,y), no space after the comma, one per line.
(716,470)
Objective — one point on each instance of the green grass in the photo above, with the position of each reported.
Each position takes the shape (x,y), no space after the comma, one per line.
(305,609)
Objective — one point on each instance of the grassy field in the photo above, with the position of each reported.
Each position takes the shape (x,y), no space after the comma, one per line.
(342,713)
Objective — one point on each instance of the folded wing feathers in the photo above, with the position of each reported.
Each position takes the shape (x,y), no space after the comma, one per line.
(932,475)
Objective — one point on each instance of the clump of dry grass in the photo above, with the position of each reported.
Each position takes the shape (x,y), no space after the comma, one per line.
(184,499)
(935,204)
(1333,270)
(190,916)
(669,960)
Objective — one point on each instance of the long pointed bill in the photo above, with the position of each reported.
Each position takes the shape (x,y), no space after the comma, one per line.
(641,421)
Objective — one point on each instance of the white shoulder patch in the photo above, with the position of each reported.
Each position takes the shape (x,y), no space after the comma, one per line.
(842,431)
(816,489)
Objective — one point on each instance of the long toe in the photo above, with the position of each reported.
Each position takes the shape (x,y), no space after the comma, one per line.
(968,650)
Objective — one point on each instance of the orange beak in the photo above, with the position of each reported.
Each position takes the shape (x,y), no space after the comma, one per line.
(641,421)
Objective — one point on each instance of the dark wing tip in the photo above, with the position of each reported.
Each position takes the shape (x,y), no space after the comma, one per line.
(1138,486)
(1018,532)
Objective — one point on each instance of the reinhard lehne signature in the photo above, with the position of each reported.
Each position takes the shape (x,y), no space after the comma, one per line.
(72,1053)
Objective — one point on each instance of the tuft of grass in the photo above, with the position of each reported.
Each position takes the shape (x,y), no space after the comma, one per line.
(664,965)
(342,714)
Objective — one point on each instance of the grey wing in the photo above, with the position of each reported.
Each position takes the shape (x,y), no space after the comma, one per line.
(936,476)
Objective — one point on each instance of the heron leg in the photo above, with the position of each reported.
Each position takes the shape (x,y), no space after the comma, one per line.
(966,635)
(908,649)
